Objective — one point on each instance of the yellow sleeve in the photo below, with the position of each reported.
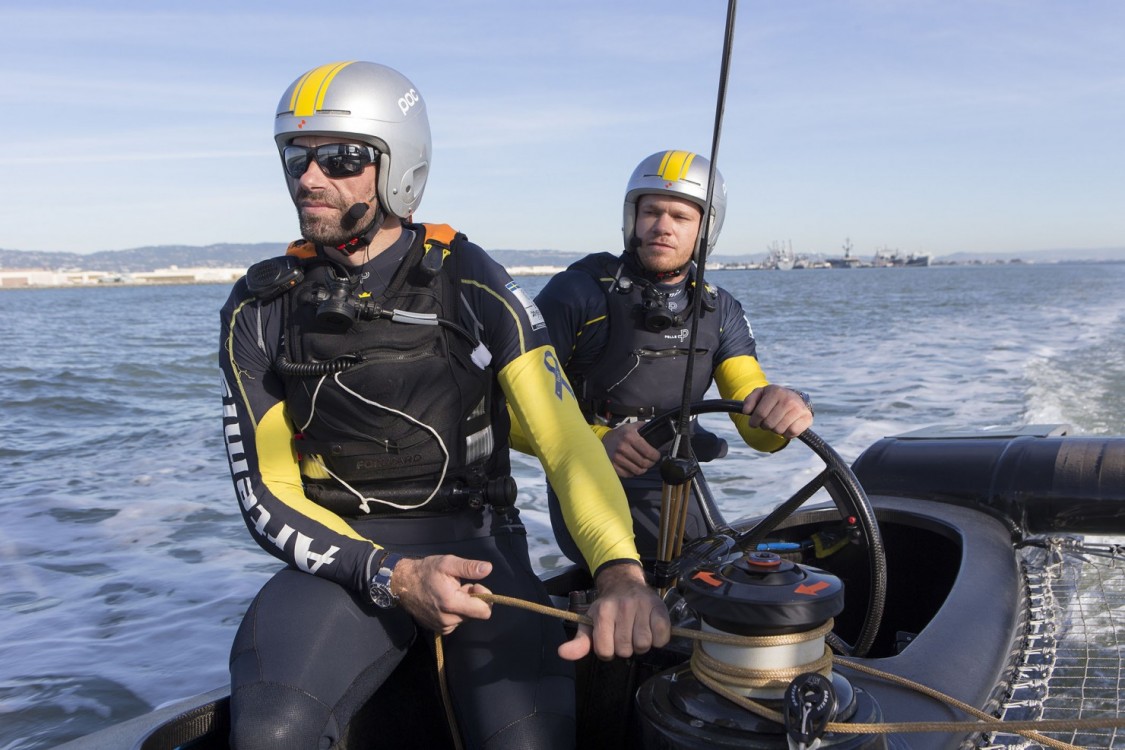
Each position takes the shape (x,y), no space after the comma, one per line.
(593,502)
(519,441)
(281,473)
(516,438)
(736,378)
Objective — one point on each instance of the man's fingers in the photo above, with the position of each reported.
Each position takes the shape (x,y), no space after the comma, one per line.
(641,448)
(788,419)
(578,646)
(642,635)
(459,567)
(751,401)
(437,591)
(615,628)
(629,466)
(660,627)
(778,410)
(472,610)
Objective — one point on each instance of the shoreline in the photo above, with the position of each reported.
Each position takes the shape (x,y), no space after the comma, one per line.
(39,279)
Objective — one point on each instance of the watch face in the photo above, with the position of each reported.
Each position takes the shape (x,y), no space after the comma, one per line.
(379,588)
(382,596)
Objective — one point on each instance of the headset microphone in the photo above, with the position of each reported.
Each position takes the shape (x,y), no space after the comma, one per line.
(352,217)
(355,213)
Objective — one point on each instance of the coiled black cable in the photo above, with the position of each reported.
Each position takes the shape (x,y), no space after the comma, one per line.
(316,369)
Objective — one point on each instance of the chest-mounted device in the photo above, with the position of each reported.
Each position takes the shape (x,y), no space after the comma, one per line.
(273,277)
(655,312)
(337,303)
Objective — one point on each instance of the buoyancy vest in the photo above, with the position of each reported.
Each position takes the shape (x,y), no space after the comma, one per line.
(384,391)
(640,372)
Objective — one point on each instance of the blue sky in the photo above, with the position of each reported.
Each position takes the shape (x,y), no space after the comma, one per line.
(962,125)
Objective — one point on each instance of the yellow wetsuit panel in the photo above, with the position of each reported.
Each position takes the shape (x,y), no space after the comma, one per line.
(280,470)
(516,439)
(736,378)
(519,441)
(551,425)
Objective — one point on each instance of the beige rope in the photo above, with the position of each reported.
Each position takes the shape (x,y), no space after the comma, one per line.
(742,677)
(446,699)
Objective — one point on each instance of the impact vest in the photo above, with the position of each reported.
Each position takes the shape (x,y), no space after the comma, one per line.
(383,389)
(640,372)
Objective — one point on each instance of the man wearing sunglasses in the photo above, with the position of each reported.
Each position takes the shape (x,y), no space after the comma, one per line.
(367,380)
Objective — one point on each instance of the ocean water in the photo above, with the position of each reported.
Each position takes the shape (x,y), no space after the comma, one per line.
(125,566)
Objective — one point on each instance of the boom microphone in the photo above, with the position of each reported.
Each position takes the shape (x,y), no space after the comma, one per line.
(355,213)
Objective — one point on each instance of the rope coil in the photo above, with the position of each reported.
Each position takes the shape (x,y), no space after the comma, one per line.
(733,676)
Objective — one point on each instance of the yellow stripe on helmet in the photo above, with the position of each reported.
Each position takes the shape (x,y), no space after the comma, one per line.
(675,164)
(308,94)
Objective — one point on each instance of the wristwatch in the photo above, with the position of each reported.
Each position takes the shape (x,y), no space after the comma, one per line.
(379,587)
(804,397)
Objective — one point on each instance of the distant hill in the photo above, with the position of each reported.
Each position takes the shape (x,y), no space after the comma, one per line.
(143,259)
(1086,254)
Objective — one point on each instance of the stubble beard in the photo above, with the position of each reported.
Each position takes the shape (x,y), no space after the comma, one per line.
(323,230)
(661,263)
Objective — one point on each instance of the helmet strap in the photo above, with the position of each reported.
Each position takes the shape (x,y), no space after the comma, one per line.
(661,276)
(362,240)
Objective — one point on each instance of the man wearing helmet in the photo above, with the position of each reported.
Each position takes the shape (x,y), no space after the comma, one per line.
(366,377)
(621,325)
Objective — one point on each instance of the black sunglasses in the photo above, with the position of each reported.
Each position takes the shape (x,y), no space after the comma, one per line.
(336,160)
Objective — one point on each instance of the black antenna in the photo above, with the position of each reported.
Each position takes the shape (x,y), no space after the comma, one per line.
(705,231)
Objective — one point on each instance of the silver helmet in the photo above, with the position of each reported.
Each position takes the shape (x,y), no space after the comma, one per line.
(371,103)
(681,174)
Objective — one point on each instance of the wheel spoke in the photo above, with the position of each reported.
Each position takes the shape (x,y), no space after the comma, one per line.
(750,539)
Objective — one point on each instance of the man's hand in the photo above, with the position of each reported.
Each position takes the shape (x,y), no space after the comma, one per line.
(629,618)
(433,590)
(630,454)
(778,410)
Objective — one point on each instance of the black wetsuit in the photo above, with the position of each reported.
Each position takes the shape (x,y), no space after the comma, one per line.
(622,370)
(312,649)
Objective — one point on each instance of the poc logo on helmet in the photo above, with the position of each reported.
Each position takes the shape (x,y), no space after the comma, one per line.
(408,100)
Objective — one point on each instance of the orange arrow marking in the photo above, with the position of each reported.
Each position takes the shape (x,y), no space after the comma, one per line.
(707,577)
(812,590)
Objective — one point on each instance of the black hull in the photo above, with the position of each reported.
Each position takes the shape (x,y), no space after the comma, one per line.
(1035,482)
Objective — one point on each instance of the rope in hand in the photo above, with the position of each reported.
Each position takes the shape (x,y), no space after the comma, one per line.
(707,676)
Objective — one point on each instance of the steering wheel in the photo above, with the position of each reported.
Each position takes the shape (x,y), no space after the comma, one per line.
(840,483)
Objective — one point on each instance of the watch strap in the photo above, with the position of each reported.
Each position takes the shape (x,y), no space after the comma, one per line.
(804,397)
